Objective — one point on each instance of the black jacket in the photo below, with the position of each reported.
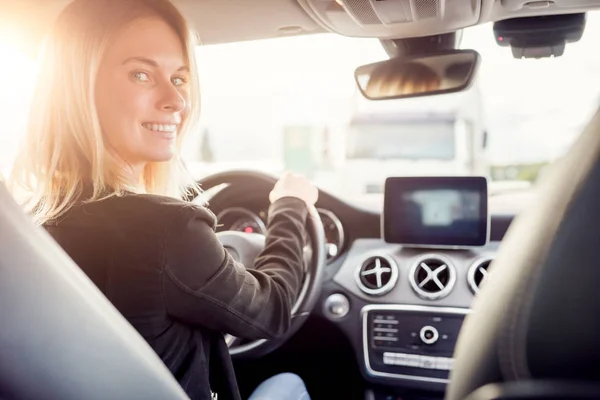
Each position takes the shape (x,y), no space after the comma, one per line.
(158,260)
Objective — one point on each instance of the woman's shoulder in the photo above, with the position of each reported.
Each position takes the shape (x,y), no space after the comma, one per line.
(156,201)
(169,207)
(137,211)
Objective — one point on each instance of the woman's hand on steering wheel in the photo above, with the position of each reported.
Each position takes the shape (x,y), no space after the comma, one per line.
(294,185)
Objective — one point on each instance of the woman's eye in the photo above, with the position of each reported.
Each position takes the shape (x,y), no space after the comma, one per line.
(179,81)
(141,76)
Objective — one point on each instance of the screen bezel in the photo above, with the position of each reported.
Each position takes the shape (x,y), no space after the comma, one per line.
(413,183)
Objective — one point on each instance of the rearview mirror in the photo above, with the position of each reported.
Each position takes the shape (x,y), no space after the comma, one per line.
(431,74)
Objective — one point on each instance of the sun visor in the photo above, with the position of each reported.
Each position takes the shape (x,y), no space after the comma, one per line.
(393,18)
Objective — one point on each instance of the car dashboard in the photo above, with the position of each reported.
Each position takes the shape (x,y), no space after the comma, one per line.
(400,307)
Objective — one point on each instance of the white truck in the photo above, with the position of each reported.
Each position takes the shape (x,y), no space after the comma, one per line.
(439,135)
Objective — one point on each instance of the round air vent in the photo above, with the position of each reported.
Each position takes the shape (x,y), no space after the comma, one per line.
(377,275)
(432,276)
(478,274)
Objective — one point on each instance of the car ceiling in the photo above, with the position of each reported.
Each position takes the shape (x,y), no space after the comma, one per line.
(222,21)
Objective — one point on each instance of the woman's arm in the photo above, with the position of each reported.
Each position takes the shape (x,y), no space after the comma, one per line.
(203,285)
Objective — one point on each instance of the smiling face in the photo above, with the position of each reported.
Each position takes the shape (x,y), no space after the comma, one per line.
(142,93)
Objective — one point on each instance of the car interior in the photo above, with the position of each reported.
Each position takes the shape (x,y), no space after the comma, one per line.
(435,294)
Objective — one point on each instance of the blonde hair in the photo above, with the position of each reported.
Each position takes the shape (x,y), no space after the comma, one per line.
(64,148)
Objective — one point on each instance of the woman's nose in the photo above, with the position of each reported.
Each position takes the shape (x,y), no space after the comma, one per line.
(171,100)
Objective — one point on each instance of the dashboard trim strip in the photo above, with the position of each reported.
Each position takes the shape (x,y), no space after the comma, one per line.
(399,307)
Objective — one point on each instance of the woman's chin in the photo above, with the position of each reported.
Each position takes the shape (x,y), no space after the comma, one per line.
(163,156)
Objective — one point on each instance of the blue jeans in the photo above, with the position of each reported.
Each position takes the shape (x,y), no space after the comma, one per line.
(284,386)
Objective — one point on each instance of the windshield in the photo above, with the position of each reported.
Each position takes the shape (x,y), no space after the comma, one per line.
(408,140)
(292,104)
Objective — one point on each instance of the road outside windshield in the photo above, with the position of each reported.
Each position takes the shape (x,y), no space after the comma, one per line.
(292,104)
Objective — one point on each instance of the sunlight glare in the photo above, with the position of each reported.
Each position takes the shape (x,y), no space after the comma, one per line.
(17,73)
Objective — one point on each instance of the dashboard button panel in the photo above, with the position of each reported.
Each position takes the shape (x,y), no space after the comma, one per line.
(410,341)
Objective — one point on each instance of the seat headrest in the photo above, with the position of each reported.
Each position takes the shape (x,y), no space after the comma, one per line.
(60,337)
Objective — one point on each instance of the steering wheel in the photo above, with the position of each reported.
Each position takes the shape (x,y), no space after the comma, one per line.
(246,247)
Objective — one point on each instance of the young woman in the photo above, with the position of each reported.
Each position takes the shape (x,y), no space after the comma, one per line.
(117,92)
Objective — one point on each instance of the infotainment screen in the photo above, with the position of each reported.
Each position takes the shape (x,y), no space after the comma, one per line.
(436,211)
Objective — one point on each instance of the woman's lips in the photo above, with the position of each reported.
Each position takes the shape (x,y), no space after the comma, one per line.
(164,130)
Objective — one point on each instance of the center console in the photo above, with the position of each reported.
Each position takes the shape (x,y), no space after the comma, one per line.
(411,286)
(410,342)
